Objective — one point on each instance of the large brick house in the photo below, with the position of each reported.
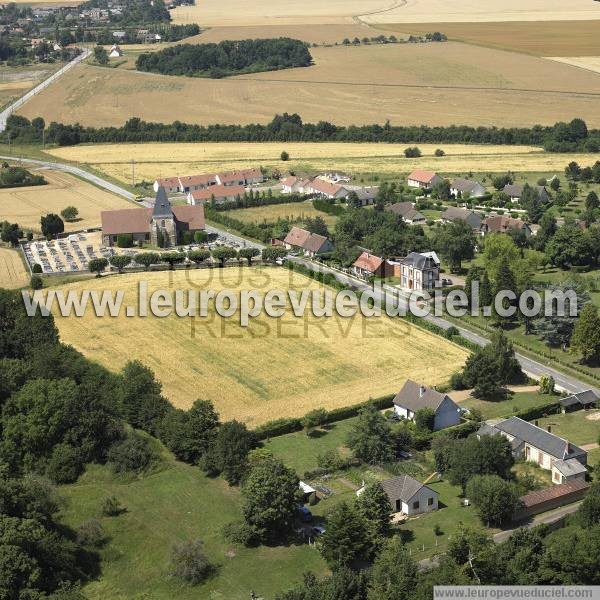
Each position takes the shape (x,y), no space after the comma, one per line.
(161,225)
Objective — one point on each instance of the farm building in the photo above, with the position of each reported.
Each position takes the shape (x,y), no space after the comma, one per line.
(220,194)
(418,271)
(243,177)
(414,397)
(453,214)
(424,180)
(408,212)
(461,188)
(193,183)
(588,399)
(369,264)
(162,223)
(541,446)
(504,224)
(408,495)
(550,498)
(309,243)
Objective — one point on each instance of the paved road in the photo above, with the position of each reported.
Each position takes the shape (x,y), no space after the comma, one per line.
(107,185)
(532,367)
(535,368)
(38,88)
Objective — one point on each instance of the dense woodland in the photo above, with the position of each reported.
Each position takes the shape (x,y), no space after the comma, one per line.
(226,58)
(561,137)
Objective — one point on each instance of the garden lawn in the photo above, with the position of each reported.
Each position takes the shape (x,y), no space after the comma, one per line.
(177,502)
(513,404)
(580,427)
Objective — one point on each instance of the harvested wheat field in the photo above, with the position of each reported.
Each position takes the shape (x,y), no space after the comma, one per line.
(437,84)
(16,81)
(545,38)
(26,205)
(476,11)
(155,160)
(294,211)
(246,372)
(13,273)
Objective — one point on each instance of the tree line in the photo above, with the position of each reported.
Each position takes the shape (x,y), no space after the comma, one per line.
(226,58)
(561,137)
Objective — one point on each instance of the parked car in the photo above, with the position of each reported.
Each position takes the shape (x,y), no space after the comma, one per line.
(317,530)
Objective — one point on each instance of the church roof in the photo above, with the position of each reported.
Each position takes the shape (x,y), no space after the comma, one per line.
(162,207)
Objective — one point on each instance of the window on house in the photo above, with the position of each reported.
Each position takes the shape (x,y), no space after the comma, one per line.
(398,505)
(416,505)
(429,501)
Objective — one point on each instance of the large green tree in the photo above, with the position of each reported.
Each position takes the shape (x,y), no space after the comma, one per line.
(370,438)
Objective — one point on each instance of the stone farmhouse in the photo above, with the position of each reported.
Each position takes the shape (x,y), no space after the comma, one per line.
(551,452)
(424,180)
(414,397)
(151,225)
(311,244)
(408,496)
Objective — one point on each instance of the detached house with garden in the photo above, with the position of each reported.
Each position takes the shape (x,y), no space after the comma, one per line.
(414,397)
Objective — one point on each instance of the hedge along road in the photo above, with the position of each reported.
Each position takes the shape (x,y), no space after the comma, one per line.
(38,88)
(532,367)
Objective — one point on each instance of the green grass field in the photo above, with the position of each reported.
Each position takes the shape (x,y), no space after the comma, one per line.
(580,427)
(515,403)
(293,210)
(174,503)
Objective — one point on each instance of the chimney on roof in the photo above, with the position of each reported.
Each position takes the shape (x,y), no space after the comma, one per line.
(421,391)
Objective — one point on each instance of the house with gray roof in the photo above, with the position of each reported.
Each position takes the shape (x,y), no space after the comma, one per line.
(414,397)
(419,271)
(462,188)
(408,212)
(408,496)
(515,191)
(588,399)
(453,214)
(535,444)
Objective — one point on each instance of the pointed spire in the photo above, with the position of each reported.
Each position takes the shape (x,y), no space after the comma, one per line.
(162,207)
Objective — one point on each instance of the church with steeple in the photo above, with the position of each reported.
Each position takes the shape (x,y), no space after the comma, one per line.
(163,225)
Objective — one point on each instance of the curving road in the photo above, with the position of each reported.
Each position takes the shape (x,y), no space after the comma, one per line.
(533,367)
(38,88)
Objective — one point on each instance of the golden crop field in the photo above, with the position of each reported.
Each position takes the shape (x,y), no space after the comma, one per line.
(26,205)
(294,210)
(546,38)
(155,160)
(13,273)
(16,81)
(437,84)
(476,11)
(275,367)
(267,12)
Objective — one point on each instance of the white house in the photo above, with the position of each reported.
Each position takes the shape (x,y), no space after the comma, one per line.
(220,194)
(115,51)
(294,185)
(170,184)
(309,243)
(408,496)
(549,451)
(414,397)
(325,189)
